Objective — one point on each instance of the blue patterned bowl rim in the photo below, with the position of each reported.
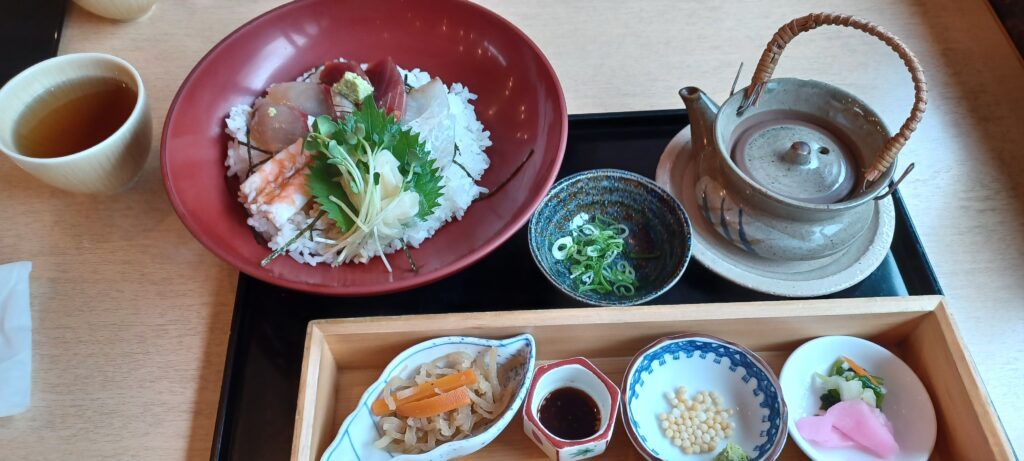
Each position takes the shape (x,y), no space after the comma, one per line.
(647,182)
(770,387)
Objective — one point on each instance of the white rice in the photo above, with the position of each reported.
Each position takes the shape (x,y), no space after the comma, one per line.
(459,190)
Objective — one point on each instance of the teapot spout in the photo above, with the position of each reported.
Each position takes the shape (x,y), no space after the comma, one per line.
(702,111)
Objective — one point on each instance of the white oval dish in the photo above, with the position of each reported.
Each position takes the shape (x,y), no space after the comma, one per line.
(906,404)
(359,430)
(703,363)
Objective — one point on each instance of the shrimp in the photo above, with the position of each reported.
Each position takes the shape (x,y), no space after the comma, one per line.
(277,189)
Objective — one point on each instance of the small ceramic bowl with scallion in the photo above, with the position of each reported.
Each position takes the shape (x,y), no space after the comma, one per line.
(610,238)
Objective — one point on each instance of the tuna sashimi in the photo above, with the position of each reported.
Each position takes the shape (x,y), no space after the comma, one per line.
(851,424)
(388,86)
(333,71)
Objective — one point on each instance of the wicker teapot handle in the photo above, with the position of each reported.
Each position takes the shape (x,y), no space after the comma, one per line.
(786,33)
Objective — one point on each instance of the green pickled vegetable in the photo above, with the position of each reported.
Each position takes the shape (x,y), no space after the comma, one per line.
(829,398)
(843,370)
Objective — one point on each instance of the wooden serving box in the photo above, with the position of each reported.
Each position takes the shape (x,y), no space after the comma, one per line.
(343,357)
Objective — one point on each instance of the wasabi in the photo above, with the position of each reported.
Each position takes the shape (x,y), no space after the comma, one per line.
(353,87)
(732,452)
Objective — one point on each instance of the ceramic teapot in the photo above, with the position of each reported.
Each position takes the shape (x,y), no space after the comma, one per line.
(788,168)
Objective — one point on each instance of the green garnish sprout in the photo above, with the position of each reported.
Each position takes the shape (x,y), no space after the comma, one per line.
(349,157)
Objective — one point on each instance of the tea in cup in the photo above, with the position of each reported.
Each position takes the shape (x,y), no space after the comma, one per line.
(82,122)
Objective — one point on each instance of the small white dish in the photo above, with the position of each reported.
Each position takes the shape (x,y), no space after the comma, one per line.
(907,404)
(359,430)
(703,363)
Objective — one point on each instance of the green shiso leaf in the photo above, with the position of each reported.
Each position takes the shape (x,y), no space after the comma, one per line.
(377,126)
(427,183)
(338,147)
(323,184)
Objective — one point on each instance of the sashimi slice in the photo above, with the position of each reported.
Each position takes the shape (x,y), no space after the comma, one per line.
(851,424)
(311,98)
(430,97)
(866,426)
(334,71)
(274,127)
(388,87)
(428,113)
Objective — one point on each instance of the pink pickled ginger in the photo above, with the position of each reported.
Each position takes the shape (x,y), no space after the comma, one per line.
(851,424)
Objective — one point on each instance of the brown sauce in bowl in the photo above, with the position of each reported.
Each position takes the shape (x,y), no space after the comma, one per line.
(570,414)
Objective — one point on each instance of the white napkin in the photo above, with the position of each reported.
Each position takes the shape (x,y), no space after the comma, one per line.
(15,338)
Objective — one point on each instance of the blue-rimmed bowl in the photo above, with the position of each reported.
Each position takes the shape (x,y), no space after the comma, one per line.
(703,363)
(359,430)
(656,222)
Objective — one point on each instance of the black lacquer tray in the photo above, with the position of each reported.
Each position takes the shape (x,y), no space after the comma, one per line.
(264,358)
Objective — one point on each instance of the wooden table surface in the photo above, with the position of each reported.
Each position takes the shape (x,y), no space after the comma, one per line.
(131,315)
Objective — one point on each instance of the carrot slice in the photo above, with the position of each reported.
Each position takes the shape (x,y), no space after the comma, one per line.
(425,390)
(859,371)
(436,405)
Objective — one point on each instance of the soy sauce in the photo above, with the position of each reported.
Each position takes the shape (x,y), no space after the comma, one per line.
(570,414)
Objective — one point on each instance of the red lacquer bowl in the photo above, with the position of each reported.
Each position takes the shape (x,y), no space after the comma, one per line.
(520,102)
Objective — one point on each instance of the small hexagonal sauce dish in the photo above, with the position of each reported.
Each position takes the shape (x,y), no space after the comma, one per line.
(570,409)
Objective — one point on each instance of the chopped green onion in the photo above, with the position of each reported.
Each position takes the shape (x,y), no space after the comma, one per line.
(592,252)
(561,248)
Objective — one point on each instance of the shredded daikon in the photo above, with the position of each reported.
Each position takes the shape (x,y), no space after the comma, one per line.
(383,441)
(419,435)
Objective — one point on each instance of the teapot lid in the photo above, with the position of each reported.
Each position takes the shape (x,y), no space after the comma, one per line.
(795,158)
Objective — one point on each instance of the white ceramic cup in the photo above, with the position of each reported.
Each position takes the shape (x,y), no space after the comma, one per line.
(107,167)
(121,10)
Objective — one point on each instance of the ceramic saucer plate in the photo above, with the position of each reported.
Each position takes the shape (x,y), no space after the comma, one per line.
(677,173)
(906,404)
